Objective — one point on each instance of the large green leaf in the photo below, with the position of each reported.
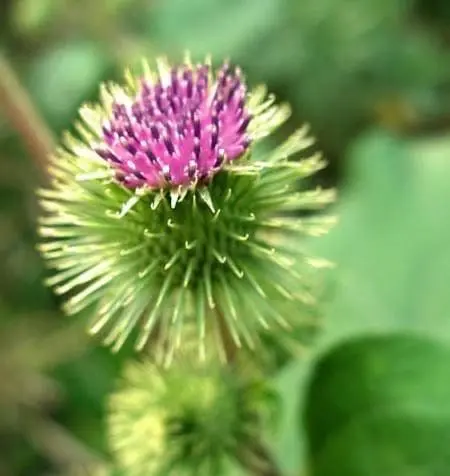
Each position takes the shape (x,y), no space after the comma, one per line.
(381,405)
(391,247)
(288,444)
(392,260)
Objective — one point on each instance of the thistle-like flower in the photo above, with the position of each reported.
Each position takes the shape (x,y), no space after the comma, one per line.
(162,212)
(179,131)
(188,420)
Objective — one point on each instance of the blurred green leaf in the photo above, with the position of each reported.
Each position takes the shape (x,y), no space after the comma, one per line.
(380,406)
(213,26)
(392,259)
(86,382)
(233,469)
(391,247)
(288,445)
(66,76)
(31,16)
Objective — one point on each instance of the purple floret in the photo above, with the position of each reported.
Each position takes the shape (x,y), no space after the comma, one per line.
(181,132)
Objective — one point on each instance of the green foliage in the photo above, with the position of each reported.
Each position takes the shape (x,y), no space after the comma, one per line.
(391,248)
(391,243)
(379,405)
(30,17)
(76,69)
(213,20)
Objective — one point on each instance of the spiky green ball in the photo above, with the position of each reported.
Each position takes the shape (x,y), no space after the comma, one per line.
(189,420)
(223,253)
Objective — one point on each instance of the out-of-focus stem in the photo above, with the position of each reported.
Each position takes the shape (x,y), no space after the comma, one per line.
(258,461)
(17,107)
(59,446)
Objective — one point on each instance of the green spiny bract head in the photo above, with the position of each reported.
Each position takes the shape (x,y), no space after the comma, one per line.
(94,469)
(187,420)
(161,213)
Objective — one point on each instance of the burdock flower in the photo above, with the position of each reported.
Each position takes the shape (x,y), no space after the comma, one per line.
(189,420)
(163,211)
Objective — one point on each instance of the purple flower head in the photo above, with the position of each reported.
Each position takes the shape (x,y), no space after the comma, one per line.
(179,130)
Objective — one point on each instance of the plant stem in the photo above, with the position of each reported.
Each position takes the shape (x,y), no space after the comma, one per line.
(258,461)
(57,445)
(23,117)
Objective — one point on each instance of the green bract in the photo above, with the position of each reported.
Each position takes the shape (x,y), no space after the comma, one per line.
(222,253)
(187,420)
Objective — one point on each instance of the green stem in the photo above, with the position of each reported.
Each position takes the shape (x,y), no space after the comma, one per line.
(57,445)
(256,459)
(23,117)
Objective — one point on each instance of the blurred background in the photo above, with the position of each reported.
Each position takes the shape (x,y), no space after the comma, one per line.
(372,77)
